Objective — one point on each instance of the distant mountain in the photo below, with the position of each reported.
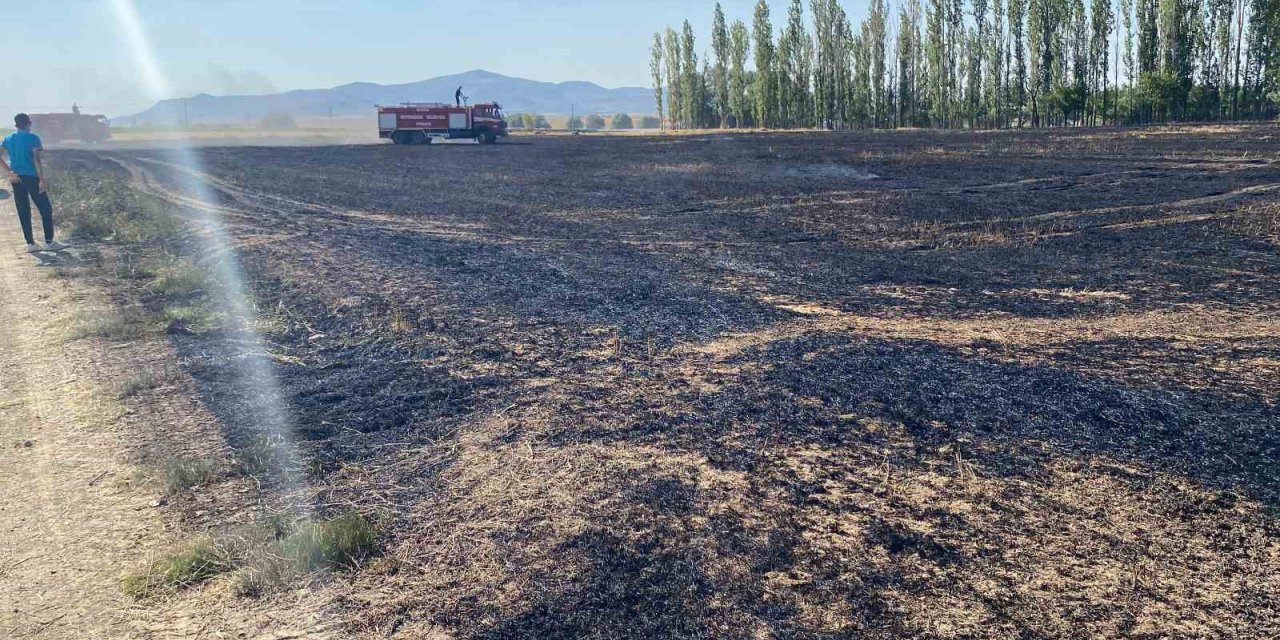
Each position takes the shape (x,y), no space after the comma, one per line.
(358,99)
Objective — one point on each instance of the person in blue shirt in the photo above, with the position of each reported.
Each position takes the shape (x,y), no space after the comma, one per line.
(25,171)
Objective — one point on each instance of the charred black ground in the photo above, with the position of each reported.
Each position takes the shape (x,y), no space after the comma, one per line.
(1014,384)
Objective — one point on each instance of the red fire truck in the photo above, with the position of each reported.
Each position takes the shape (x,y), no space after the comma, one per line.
(56,127)
(422,122)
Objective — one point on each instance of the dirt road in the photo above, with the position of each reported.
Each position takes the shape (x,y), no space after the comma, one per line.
(76,510)
(70,518)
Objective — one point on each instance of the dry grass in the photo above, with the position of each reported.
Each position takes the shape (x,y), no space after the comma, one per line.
(260,558)
(262,455)
(1261,221)
(177,277)
(108,323)
(338,543)
(198,562)
(99,207)
(180,473)
(1021,384)
(137,238)
(190,318)
(137,383)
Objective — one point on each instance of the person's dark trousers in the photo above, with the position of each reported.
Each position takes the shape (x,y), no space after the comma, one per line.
(26,190)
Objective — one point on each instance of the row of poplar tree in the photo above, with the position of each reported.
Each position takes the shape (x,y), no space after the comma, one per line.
(985,63)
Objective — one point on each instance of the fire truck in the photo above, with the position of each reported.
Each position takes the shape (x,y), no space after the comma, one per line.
(422,122)
(56,127)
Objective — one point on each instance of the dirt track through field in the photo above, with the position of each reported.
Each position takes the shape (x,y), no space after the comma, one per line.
(76,513)
(69,526)
(1016,384)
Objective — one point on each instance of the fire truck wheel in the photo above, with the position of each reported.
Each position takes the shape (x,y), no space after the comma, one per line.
(420,137)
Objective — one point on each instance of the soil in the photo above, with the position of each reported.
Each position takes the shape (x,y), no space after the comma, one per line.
(79,504)
(882,385)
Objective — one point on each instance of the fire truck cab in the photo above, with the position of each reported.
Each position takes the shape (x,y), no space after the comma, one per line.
(422,122)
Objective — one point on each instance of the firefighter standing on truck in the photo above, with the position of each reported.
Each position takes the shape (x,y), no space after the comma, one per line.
(458,97)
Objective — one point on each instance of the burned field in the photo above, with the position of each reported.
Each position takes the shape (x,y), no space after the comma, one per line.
(1014,384)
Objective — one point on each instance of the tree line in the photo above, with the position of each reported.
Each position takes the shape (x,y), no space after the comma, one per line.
(591,121)
(974,63)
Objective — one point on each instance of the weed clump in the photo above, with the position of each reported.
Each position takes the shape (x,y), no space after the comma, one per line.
(264,557)
(136,384)
(340,542)
(106,323)
(263,455)
(313,546)
(189,319)
(180,474)
(177,277)
(202,560)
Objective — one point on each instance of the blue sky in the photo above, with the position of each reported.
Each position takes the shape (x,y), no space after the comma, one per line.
(74,52)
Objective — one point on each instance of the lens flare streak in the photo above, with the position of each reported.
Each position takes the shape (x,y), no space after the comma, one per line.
(257,387)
